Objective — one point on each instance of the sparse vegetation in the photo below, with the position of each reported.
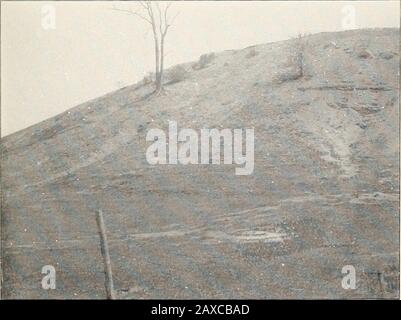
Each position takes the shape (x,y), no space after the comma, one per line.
(204,61)
(176,74)
(287,75)
(148,78)
(299,57)
(252,53)
(295,67)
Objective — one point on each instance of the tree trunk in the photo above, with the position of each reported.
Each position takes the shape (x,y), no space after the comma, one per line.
(161,60)
(157,57)
(157,49)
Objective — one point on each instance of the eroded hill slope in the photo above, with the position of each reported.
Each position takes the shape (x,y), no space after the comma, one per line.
(324,192)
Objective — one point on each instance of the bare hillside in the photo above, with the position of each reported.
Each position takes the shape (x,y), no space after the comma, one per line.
(324,192)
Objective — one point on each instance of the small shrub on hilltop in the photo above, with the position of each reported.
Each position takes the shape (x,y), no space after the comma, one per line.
(204,61)
(176,74)
(296,65)
(290,74)
(299,56)
(252,53)
(148,78)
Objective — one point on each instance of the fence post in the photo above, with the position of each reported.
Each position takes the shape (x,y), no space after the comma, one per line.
(106,256)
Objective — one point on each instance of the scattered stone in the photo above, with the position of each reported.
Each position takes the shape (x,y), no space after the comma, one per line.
(362,125)
(365,54)
(141,127)
(331,44)
(386,55)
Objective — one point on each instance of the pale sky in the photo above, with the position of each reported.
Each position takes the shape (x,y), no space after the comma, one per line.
(94,50)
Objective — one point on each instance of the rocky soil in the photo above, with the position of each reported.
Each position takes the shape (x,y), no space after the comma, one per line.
(324,192)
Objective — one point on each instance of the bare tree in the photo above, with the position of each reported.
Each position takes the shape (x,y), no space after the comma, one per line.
(157,16)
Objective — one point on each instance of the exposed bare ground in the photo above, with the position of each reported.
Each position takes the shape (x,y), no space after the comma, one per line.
(324,192)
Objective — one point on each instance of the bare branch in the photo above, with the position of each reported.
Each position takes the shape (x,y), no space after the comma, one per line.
(172,20)
(133,13)
(167,24)
(167,7)
(143,4)
(150,9)
(165,21)
(160,18)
